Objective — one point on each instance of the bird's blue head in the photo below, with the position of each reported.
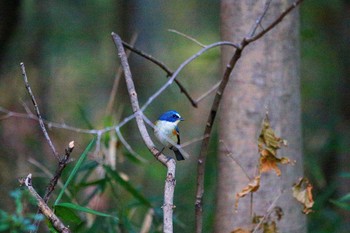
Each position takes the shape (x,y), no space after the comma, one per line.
(171,116)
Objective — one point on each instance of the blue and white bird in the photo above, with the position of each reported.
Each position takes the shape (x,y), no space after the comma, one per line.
(166,130)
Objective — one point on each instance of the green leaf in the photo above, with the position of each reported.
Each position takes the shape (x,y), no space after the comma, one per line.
(127,186)
(67,214)
(100,182)
(342,205)
(83,209)
(135,159)
(75,169)
(345,198)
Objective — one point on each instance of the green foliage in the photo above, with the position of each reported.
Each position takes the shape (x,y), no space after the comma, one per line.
(127,185)
(19,221)
(75,169)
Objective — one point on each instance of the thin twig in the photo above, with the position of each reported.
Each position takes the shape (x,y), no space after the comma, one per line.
(194,140)
(229,154)
(188,37)
(182,66)
(45,210)
(274,23)
(41,122)
(268,212)
(167,70)
(214,108)
(168,162)
(53,182)
(211,90)
(48,173)
(149,57)
(128,147)
(258,21)
(97,132)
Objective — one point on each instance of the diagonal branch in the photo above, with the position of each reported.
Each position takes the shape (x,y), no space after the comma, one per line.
(41,122)
(274,23)
(258,21)
(116,81)
(49,214)
(167,70)
(187,37)
(61,165)
(214,108)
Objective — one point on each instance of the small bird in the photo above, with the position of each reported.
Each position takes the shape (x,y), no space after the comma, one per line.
(166,129)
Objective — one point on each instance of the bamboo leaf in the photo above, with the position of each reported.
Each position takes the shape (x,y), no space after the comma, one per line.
(125,184)
(83,209)
(75,169)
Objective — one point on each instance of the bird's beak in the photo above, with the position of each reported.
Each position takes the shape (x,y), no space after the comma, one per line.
(181,119)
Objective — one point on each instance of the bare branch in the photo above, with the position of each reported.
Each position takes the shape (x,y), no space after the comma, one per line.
(61,165)
(45,210)
(117,80)
(41,122)
(274,23)
(48,173)
(168,162)
(167,70)
(188,37)
(194,140)
(134,101)
(182,66)
(211,90)
(128,147)
(229,154)
(149,57)
(170,73)
(258,21)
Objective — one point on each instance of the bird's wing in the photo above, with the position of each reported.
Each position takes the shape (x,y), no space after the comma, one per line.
(177,134)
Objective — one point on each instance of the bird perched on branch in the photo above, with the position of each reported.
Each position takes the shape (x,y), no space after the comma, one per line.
(167,131)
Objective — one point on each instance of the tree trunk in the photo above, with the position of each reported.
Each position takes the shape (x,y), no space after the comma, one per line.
(267,76)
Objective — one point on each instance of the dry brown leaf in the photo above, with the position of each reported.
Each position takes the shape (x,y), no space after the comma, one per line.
(302,191)
(270,227)
(268,144)
(241,230)
(269,162)
(253,186)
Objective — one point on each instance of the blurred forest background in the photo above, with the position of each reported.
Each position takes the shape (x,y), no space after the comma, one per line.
(71,64)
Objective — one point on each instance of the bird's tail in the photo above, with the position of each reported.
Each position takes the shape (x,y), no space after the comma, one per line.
(178,154)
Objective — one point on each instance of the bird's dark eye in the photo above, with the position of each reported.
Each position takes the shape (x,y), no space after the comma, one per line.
(175,116)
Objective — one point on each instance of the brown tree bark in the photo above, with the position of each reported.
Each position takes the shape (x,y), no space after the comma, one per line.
(267,75)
